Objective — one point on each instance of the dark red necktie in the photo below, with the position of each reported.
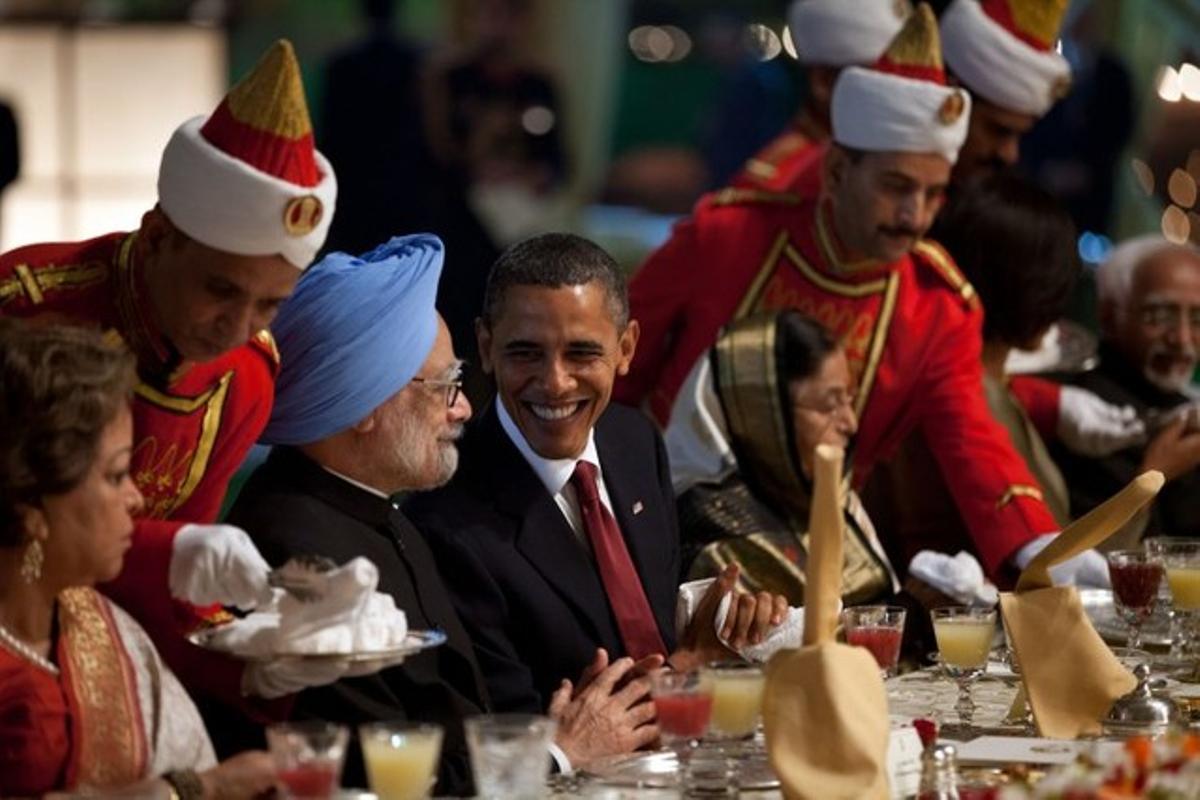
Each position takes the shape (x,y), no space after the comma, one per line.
(626,597)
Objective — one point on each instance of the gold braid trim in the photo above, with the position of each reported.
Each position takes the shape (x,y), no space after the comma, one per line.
(933,254)
(35,282)
(733,195)
(271,97)
(1018,490)
(112,745)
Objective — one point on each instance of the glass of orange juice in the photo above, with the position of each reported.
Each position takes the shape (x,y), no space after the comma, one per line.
(964,637)
(401,758)
(737,690)
(1181,557)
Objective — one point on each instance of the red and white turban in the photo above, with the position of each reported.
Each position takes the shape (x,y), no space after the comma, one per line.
(838,33)
(902,103)
(248,179)
(1004,51)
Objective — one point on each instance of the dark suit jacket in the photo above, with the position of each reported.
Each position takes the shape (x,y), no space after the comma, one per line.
(1093,480)
(290,506)
(525,586)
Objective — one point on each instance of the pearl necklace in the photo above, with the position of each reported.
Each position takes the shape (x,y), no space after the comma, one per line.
(22,649)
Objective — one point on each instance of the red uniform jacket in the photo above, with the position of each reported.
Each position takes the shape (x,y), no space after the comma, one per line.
(192,425)
(912,331)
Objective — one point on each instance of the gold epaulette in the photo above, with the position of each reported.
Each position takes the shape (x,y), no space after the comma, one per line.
(34,282)
(264,342)
(766,165)
(736,196)
(931,253)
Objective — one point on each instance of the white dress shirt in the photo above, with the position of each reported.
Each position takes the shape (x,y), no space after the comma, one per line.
(555,475)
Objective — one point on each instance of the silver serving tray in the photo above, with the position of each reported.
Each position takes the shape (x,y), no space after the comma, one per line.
(660,769)
(1098,604)
(413,643)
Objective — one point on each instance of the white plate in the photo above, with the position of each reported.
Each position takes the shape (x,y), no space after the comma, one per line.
(660,770)
(413,643)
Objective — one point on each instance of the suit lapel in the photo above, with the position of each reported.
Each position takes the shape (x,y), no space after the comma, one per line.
(631,484)
(544,537)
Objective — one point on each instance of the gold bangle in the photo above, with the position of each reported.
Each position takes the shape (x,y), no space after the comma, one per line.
(185,784)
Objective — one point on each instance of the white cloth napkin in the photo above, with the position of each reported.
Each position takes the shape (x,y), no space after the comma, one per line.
(960,577)
(350,617)
(787,635)
(904,760)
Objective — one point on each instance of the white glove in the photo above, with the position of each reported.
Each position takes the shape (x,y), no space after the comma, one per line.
(271,679)
(218,564)
(960,576)
(1095,428)
(1089,568)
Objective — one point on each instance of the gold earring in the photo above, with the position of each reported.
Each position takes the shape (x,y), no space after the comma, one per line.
(31,562)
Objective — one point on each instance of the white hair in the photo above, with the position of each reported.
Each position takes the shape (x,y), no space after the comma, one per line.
(1114,278)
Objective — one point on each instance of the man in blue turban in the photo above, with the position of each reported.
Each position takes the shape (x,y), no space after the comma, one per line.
(368,405)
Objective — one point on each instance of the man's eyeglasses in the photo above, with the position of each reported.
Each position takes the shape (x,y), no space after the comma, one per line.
(453,388)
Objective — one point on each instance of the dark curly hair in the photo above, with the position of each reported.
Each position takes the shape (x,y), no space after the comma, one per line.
(1017,246)
(62,387)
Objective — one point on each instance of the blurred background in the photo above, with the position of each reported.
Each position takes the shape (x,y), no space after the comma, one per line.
(486,120)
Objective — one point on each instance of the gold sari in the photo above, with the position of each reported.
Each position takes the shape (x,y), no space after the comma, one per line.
(757,515)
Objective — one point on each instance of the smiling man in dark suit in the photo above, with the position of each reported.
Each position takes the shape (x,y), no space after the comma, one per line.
(558,535)
(369,407)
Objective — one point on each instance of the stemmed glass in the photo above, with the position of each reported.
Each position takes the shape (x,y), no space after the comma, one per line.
(683,702)
(737,688)
(1157,546)
(401,758)
(1182,561)
(308,756)
(508,754)
(964,637)
(880,630)
(1136,576)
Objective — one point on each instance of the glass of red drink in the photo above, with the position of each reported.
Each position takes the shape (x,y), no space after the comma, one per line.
(879,629)
(1136,576)
(308,757)
(683,702)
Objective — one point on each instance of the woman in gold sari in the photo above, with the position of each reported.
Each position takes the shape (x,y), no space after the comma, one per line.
(741,441)
(85,702)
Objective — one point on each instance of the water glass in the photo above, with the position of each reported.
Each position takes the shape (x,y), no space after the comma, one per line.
(880,630)
(401,758)
(308,757)
(510,754)
(1135,576)
(964,636)
(737,690)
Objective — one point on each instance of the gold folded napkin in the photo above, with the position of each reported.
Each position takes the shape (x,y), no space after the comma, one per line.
(1070,675)
(824,706)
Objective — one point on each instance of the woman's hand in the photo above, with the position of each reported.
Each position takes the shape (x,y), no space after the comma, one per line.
(246,775)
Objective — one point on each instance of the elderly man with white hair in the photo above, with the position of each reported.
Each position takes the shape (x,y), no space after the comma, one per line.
(1149,296)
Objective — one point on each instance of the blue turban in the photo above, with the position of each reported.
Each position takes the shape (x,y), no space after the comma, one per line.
(355,331)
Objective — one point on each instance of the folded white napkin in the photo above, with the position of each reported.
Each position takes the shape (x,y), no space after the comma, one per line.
(349,617)
(904,760)
(960,577)
(787,635)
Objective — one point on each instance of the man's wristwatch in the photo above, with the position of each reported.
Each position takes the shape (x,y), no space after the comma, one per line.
(184,784)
